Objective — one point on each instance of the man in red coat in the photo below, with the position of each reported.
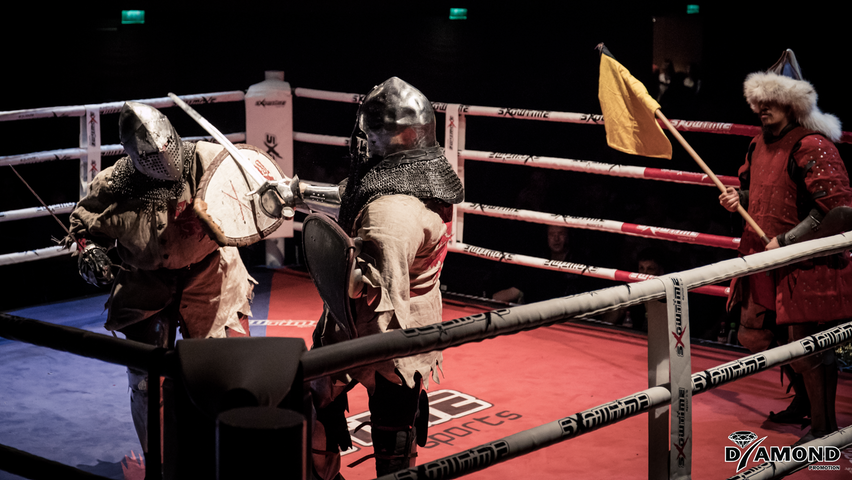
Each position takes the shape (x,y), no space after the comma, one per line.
(793,183)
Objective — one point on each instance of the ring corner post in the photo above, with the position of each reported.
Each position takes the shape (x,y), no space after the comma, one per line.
(455,125)
(269,126)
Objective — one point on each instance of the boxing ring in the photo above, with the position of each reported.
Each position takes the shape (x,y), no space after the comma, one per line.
(669,367)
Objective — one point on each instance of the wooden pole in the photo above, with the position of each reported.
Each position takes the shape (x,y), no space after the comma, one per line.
(710,174)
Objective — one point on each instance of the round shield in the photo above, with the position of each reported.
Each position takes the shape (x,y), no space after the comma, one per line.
(231,217)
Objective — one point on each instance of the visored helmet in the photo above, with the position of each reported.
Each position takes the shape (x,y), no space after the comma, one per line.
(151,141)
(394,117)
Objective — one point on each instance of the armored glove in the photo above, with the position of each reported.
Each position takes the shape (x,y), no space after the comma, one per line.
(94,265)
(819,225)
(279,199)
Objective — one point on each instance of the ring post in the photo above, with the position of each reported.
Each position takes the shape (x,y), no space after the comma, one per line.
(90,141)
(658,374)
(269,126)
(454,132)
(680,454)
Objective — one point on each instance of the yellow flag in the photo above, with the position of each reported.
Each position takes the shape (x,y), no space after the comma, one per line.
(628,112)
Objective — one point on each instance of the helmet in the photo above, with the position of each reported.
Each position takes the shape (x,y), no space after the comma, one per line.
(394,117)
(151,141)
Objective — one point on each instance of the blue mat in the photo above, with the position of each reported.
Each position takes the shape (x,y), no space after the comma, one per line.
(71,409)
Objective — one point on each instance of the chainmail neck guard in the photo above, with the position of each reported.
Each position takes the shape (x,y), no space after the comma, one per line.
(128,183)
(422,174)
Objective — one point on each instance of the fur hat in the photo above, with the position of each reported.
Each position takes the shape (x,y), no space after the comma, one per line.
(783,84)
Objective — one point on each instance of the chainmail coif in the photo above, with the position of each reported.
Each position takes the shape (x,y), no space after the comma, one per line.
(128,183)
(422,174)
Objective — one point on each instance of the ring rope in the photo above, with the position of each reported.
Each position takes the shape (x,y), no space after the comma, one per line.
(612,226)
(106,151)
(34,212)
(553,116)
(115,107)
(366,350)
(572,267)
(588,166)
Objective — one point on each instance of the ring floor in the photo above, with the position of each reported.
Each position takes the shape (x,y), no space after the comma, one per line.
(75,410)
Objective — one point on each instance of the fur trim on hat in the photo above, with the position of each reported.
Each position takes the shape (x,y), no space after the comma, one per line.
(799,95)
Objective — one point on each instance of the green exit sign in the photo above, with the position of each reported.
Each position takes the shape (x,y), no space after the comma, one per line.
(130,17)
(692,9)
(458,14)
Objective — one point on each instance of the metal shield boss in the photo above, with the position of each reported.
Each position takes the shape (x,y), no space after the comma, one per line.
(231,217)
(330,258)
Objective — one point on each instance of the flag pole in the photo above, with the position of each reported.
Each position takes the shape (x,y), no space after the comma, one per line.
(709,173)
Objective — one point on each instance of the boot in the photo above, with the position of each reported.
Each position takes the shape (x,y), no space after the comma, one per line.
(821,385)
(393,414)
(798,412)
(395,449)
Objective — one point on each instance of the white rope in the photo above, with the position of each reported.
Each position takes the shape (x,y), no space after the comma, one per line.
(34,212)
(609,169)
(570,267)
(29,255)
(115,107)
(321,139)
(326,95)
(612,226)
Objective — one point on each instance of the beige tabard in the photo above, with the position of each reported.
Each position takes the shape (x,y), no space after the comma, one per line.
(164,251)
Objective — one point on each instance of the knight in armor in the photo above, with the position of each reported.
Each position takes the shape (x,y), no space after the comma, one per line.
(172,274)
(795,186)
(398,201)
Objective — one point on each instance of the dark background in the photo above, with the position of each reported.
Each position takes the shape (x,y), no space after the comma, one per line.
(530,55)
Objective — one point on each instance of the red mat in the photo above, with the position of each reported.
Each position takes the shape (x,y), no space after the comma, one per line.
(294,306)
(505,385)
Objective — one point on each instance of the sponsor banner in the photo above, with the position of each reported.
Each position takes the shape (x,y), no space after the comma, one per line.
(773,460)
(90,164)
(680,368)
(444,406)
(283,323)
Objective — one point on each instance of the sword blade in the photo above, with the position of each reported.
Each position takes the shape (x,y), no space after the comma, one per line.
(46,207)
(222,139)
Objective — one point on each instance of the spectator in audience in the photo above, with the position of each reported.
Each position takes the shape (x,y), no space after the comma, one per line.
(523,284)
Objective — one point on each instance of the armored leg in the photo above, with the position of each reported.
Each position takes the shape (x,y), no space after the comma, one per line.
(153,331)
(329,430)
(394,412)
